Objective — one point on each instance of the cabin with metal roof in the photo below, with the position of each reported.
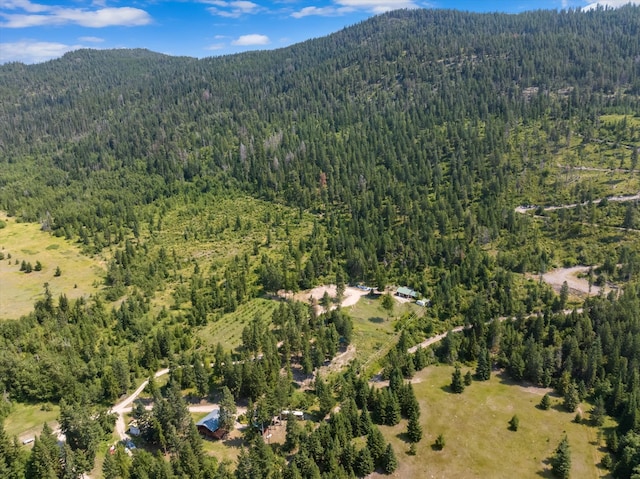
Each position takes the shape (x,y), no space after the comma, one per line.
(405,292)
(209,426)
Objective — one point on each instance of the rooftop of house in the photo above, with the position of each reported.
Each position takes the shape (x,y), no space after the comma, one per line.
(210,421)
(407,291)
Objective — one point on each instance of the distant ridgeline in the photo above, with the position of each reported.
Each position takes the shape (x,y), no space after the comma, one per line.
(393,151)
(406,130)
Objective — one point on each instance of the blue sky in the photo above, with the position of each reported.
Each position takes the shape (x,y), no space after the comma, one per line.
(36,31)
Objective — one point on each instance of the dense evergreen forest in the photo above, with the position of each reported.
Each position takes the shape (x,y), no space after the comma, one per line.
(392,152)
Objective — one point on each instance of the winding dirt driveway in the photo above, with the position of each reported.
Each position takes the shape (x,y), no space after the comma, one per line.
(125,405)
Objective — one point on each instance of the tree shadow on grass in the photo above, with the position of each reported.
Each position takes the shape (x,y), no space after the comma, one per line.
(560,408)
(235,442)
(447,388)
(376,319)
(403,436)
(546,472)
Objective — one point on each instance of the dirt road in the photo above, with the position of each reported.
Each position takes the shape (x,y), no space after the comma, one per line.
(125,405)
(433,339)
(351,296)
(525,209)
(579,286)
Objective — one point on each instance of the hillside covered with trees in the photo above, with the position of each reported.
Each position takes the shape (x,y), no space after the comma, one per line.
(396,151)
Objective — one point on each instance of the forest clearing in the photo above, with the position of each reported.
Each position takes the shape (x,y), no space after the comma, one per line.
(479,443)
(80,275)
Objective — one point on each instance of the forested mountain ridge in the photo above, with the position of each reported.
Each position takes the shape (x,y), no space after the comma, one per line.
(394,151)
(415,103)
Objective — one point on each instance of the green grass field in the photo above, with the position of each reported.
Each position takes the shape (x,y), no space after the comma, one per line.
(213,229)
(26,420)
(478,441)
(81,275)
(227,450)
(373,330)
(228,329)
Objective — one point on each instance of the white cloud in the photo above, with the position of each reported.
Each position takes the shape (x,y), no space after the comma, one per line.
(250,40)
(25,5)
(91,39)
(233,9)
(35,15)
(215,46)
(342,7)
(610,4)
(29,51)
(328,11)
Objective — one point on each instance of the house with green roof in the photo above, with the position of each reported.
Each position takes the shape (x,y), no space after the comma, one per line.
(405,292)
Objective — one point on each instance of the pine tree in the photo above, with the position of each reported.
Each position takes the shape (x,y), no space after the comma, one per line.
(483,369)
(375,445)
(109,467)
(392,410)
(227,410)
(409,405)
(364,463)
(387,304)
(457,383)
(389,460)
(571,398)
(598,412)
(293,434)
(561,460)
(201,377)
(414,430)
(545,402)
(365,422)
(44,461)
(467,379)
(514,423)
(440,443)
(12,458)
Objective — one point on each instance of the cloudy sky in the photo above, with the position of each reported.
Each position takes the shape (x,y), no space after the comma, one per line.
(36,31)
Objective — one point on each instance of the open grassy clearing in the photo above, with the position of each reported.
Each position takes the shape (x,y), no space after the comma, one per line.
(373,330)
(228,329)
(81,275)
(26,420)
(212,229)
(478,441)
(600,163)
(632,120)
(227,450)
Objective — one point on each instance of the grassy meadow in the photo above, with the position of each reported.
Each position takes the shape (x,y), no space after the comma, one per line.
(81,275)
(26,420)
(212,230)
(373,330)
(228,329)
(479,443)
